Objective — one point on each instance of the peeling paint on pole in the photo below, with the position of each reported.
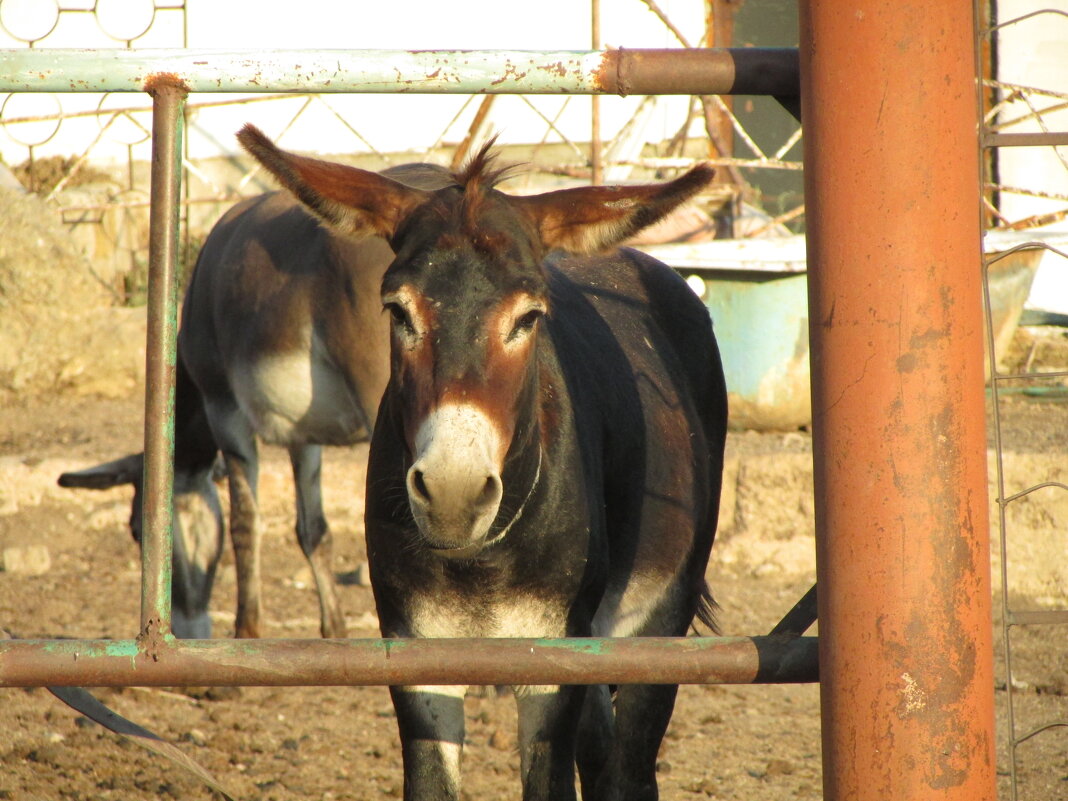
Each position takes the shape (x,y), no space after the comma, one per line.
(693,71)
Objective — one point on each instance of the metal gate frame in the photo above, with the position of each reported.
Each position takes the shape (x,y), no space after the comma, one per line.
(155,657)
(863,674)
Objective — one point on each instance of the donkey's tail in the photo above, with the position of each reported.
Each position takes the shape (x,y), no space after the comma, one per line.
(194,444)
(707,608)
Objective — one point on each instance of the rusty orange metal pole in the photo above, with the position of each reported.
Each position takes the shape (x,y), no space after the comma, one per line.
(892,198)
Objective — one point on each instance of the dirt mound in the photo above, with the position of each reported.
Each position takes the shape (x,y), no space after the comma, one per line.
(62,332)
(43,175)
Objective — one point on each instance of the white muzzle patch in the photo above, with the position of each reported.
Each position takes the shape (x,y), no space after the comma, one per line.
(454,483)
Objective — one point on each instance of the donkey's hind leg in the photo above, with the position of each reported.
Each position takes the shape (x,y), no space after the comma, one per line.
(237,441)
(642,715)
(595,735)
(314,536)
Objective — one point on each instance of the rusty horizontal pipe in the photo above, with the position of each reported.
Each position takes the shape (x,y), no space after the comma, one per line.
(701,71)
(646,660)
(692,71)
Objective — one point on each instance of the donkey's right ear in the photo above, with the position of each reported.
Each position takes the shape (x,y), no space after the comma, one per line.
(353,201)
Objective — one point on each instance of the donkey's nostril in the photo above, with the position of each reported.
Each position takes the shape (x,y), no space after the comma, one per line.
(490,492)
(419,485)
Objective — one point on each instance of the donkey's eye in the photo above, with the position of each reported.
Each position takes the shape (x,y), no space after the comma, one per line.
(400,317)
(525,324)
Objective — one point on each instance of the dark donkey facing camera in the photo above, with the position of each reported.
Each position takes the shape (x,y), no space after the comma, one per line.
(547,455)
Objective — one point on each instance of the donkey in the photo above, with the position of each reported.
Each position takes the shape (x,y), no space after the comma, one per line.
(282,336)
(548,452)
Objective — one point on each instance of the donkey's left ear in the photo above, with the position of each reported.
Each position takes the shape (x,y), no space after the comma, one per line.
(591,218)
(353,201)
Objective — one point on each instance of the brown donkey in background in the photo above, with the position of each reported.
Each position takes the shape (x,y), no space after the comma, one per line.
(282,336)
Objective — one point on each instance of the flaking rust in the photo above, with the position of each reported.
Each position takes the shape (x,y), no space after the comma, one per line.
(162,81)
(153,639)
(559,69)
(611,76)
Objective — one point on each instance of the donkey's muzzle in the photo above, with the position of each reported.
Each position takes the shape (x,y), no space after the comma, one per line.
(454,485)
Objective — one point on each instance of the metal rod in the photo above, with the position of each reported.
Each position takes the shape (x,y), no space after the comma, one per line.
(750,71)
(156,544)
(644,660)
(1037,617)
(801,617)
(1053,138)
(596,160)
(899,445)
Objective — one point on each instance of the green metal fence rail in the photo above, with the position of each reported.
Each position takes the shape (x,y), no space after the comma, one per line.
(694,71)
(155,657)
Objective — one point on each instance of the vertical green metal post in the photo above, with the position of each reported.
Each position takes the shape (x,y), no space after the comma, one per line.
(168,98)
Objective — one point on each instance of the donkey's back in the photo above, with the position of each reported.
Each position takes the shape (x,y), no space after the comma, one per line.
(282,338)
(645,380)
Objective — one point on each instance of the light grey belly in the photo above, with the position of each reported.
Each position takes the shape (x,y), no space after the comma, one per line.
(300,397)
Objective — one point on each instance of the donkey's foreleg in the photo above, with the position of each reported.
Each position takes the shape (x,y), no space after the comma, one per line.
(548,723)
(431,723)
(199,535)
(314,536)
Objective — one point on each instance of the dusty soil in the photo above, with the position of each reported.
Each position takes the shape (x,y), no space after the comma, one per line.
(295,743)
(341,743)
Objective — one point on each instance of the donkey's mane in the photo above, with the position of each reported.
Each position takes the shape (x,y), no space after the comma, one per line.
(477,177)
(481,172)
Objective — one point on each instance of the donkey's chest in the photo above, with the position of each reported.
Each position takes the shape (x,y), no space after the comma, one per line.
(299,395)
(507,615)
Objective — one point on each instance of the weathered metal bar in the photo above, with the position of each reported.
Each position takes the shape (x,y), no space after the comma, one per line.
(751,71)
(1037,617)
(156,543)
(645,660)
(1052,139)
(801,617)
(596,154)
(894,254)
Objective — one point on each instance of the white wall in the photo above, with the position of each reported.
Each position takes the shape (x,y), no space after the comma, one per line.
(387,122)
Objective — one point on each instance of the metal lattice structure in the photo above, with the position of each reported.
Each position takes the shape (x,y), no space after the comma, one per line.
(1010,106)
(121,118)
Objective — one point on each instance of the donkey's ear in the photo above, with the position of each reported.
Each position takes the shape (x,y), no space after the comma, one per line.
(354,201)
(590,218)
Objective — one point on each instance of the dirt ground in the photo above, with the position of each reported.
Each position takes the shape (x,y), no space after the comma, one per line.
(297,743)
(341,743)
(63,408)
